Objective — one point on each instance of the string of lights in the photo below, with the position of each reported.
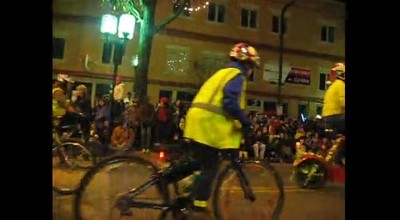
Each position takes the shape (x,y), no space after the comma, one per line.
(190,8)
(134,6)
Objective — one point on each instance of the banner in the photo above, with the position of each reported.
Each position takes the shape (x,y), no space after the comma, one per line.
(271,72)
(299,76)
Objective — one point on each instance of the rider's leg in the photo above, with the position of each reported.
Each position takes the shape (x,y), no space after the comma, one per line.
(337,122)
(209,160)
(181,169)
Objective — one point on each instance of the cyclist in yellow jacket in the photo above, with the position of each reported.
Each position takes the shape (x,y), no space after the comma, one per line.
(216,120)
(60,103)
(333,113)
(333,109)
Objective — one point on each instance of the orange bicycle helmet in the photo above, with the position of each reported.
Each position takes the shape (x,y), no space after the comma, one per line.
(245,52)
(339,71)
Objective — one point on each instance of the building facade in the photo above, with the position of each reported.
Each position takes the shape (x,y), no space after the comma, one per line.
(197,43)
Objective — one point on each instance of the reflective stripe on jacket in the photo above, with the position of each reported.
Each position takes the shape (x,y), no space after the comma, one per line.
(206,122)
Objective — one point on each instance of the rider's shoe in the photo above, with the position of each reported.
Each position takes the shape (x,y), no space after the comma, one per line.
(197,213)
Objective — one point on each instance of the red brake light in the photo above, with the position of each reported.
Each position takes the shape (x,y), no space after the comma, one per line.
(161,154)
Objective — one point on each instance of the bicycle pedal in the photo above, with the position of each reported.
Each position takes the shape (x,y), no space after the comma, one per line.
(127,212)
(122,203)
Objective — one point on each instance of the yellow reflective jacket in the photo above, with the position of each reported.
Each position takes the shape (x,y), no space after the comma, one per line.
(58,111)
(334,100)
(206,122)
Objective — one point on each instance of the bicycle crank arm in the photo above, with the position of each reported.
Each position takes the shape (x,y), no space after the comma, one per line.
(248,194)
(123,204)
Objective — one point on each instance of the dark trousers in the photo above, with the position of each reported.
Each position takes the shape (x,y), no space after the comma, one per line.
(163,132)
(203,158)
(337,123)
(85,126)
(209,161)
(118,108)
(145,135)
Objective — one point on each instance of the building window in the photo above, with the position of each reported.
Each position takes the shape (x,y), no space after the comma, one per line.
(216,12)
(302,110)
(276,24)
(58,48)
(328,34)
(253,103)
(249,18)
(102,89)
(177,61)
(253,76)
(211,62)
(323,77)
(185,96)
(165,94)
(270,107)
(319,110)
(285,109)
(186,11)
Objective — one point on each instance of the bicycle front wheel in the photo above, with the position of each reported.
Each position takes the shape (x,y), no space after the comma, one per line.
(267,186)
(67,156)
(106,181)
(76,154)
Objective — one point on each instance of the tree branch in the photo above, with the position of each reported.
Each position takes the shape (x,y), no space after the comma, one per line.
(173,16)
(135,9)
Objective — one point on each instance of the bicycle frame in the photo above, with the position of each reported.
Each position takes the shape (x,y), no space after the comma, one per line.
(59,141)
(73,129)
(244,182)
(127,201)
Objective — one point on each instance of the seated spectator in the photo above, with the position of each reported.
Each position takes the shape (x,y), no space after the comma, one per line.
(324,147)
(301,148)
(259,144)
(299,133)
(243,154)
(121,138)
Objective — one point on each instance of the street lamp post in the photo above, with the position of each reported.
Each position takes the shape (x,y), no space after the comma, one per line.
(117,30)
(281,26)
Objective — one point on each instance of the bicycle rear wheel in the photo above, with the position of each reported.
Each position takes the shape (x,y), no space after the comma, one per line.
(103,183)
(267,186)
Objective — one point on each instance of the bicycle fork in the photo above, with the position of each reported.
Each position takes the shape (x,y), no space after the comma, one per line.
(244,182)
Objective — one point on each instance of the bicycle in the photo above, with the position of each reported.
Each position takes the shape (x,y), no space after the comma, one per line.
(154,189)
(313,171)
(68,153)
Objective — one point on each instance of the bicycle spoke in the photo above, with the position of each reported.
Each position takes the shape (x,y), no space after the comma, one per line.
(65,178)
(103,185)
(230,201)
(76,155)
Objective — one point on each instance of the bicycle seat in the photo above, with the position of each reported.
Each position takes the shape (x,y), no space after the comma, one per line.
(69,126)
(80,115)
